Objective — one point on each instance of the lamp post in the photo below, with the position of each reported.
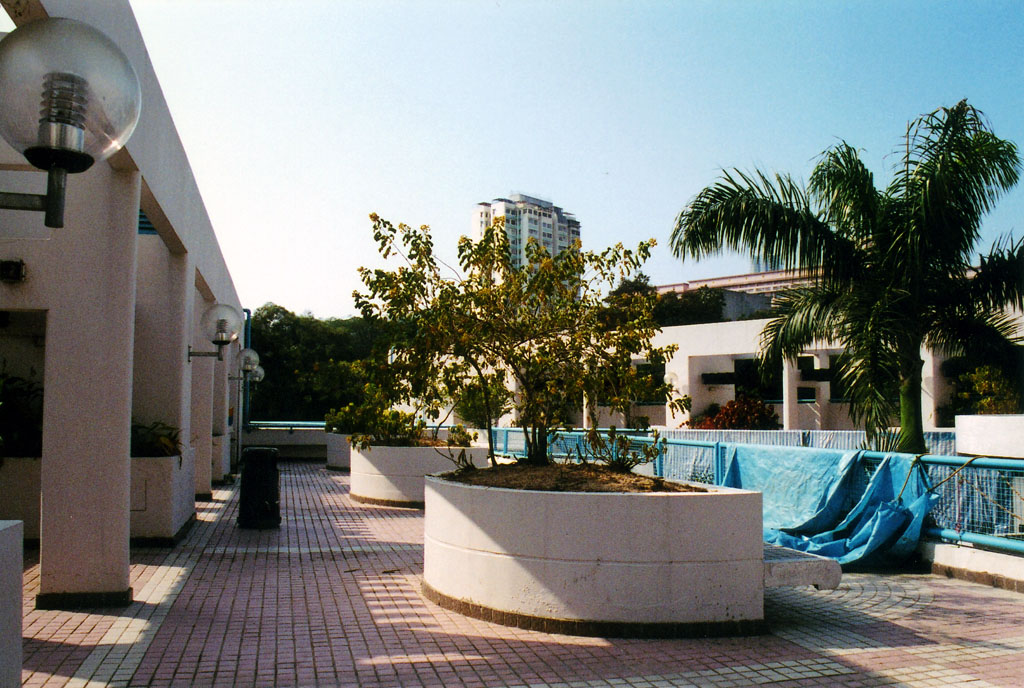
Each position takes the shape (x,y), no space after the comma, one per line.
(70,97)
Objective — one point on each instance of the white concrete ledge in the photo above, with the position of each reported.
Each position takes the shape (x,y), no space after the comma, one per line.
(785,567)
(291,443)
(966,562)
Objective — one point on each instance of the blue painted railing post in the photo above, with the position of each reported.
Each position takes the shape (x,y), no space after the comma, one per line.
(719,463)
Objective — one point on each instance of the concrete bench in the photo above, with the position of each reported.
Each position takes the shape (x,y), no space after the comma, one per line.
(785,567)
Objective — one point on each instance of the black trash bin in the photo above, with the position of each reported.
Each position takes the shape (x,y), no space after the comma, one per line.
(259,493)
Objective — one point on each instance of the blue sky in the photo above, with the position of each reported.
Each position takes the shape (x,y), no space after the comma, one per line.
(301,118)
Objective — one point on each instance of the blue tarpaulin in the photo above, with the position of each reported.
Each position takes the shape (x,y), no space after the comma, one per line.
(827,502)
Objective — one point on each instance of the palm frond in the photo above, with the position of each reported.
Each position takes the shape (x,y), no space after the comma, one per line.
(953,171)
(844,187)
(801,317)
(771,219)
(999,278)
(957,332)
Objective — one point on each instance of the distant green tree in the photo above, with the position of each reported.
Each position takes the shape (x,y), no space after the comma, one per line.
(701,305)
(312,365)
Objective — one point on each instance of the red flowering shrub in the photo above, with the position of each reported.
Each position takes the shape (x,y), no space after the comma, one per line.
(744,413)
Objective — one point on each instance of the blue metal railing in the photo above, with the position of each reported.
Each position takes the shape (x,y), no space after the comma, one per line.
(286,424)
(981,500)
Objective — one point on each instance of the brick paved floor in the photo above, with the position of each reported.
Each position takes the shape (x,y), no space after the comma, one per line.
(332,599)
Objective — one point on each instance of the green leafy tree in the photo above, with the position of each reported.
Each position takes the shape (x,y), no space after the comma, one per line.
(540,330)
(891,270)
(312,365)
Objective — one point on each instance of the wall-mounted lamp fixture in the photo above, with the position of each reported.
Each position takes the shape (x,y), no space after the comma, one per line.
(257,374)
(221,324)
(70,98)
(248,362)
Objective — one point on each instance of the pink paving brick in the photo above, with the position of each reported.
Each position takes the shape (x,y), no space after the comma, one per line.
(332,599)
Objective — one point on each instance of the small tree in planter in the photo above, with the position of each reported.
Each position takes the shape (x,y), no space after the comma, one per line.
(543,329)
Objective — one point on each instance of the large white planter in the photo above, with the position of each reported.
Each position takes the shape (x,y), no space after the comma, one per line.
(339,451)
(608,564)
(991,435)
(162,498)
(393,476)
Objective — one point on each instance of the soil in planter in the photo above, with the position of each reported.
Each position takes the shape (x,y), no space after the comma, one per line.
(565,477)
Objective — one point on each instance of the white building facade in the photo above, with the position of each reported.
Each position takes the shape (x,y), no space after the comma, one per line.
(528,217)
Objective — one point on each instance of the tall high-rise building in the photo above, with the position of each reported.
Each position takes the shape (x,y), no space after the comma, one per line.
(525,217)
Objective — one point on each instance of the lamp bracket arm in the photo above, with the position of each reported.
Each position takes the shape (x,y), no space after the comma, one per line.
(22,201)
(52,203)
(218,354)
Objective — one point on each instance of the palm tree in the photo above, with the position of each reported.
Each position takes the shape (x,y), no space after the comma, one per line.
(889,270)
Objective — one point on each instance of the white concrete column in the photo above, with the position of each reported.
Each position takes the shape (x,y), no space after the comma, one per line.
(85,474)
(163,315)
(202,404)
(790,404)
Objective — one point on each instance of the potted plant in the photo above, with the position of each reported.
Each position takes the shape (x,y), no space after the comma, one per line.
(162,484)
(547,332)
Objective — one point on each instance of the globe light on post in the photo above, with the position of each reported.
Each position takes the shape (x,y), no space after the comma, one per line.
(70,98)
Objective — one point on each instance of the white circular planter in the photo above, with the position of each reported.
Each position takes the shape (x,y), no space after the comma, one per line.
(339,451)
(607,564)
(990,435)
(393,476)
